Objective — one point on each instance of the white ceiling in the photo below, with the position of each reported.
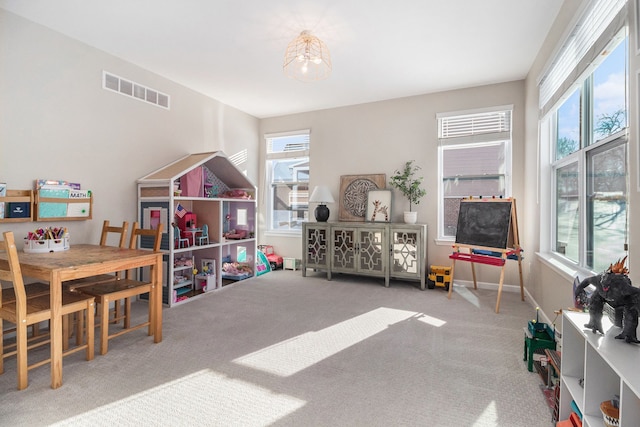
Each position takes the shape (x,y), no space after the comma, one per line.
(232,50)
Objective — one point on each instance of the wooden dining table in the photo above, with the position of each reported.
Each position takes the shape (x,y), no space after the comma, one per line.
(81,261)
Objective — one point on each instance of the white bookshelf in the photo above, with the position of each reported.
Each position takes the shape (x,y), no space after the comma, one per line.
(608,366)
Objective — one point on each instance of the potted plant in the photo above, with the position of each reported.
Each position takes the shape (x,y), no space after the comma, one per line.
(409,184)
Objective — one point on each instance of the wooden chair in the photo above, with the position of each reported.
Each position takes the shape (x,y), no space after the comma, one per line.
(204,237)
(122,289)
(107,230)
(28,311)
(110,233)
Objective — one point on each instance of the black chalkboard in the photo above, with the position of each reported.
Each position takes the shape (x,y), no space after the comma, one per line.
(485,223)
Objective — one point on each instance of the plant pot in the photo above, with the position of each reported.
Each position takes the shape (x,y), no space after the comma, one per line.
(410,217)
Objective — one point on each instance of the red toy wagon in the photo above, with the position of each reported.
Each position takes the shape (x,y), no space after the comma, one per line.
(274,259)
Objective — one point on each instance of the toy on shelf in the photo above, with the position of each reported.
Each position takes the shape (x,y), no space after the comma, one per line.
(179,241)
(203,238)
(235,194)
(187,222)
(614,288)
(208,267)
(235,270)
(234,234)
(183,262)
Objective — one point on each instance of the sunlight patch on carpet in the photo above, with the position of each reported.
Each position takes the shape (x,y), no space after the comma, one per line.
(291,356)
(466,293)
(489,416)
(430,320)
(203,398)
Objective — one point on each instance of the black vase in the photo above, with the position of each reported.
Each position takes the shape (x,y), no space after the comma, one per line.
(322,213)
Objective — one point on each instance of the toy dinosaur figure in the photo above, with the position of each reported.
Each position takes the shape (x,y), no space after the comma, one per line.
(613,287)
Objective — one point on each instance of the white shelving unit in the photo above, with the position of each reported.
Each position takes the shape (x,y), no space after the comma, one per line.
(183,281)
(214,204)
(608,366)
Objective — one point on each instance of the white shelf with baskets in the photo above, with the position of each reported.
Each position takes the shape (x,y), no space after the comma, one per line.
(596,368)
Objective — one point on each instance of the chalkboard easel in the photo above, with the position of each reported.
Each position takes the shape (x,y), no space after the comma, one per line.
(487,233)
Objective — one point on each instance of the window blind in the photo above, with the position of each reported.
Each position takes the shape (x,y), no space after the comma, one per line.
(288,142)
(475,126)
(595,28)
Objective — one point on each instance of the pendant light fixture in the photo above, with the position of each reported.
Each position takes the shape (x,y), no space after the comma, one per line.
(307,59)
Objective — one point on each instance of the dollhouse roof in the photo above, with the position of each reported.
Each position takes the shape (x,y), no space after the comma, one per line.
(216,161)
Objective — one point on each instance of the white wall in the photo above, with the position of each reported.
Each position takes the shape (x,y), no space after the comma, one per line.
(56,122)
(379,137)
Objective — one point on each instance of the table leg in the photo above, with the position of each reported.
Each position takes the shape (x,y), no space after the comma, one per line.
(56,329)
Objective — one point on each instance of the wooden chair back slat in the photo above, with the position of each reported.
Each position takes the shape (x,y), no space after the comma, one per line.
(107,228)
(136,232)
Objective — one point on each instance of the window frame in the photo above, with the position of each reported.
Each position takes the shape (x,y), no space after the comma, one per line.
(301,155)
(580,157)
(587,147)
(473,139)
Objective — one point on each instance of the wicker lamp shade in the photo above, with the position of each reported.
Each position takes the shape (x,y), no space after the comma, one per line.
(307,59)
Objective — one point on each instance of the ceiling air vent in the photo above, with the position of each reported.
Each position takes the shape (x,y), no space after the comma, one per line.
(134,90)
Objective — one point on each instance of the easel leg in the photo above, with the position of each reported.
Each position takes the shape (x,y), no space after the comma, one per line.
(473,272)
(500,287)
(521,281)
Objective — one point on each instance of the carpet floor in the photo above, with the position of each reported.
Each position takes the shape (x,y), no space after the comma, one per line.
(283,350)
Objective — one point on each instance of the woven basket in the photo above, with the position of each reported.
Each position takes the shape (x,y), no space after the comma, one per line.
(610,414)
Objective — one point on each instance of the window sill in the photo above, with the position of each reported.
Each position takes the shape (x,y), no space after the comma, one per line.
(445,242)
(562,267)
(293,233)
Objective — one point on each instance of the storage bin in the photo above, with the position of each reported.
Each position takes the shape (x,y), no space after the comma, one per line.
(47,245)
(290,264)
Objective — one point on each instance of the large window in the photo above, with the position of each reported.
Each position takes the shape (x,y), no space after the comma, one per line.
(588,161)
(288,180)
(474,160)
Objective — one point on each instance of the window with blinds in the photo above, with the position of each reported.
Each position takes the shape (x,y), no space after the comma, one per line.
(287,166)
(583,139)
(474,160)
(585,146)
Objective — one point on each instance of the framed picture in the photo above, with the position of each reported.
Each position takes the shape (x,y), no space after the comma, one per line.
(209,264)
(379,206)
(353,194)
